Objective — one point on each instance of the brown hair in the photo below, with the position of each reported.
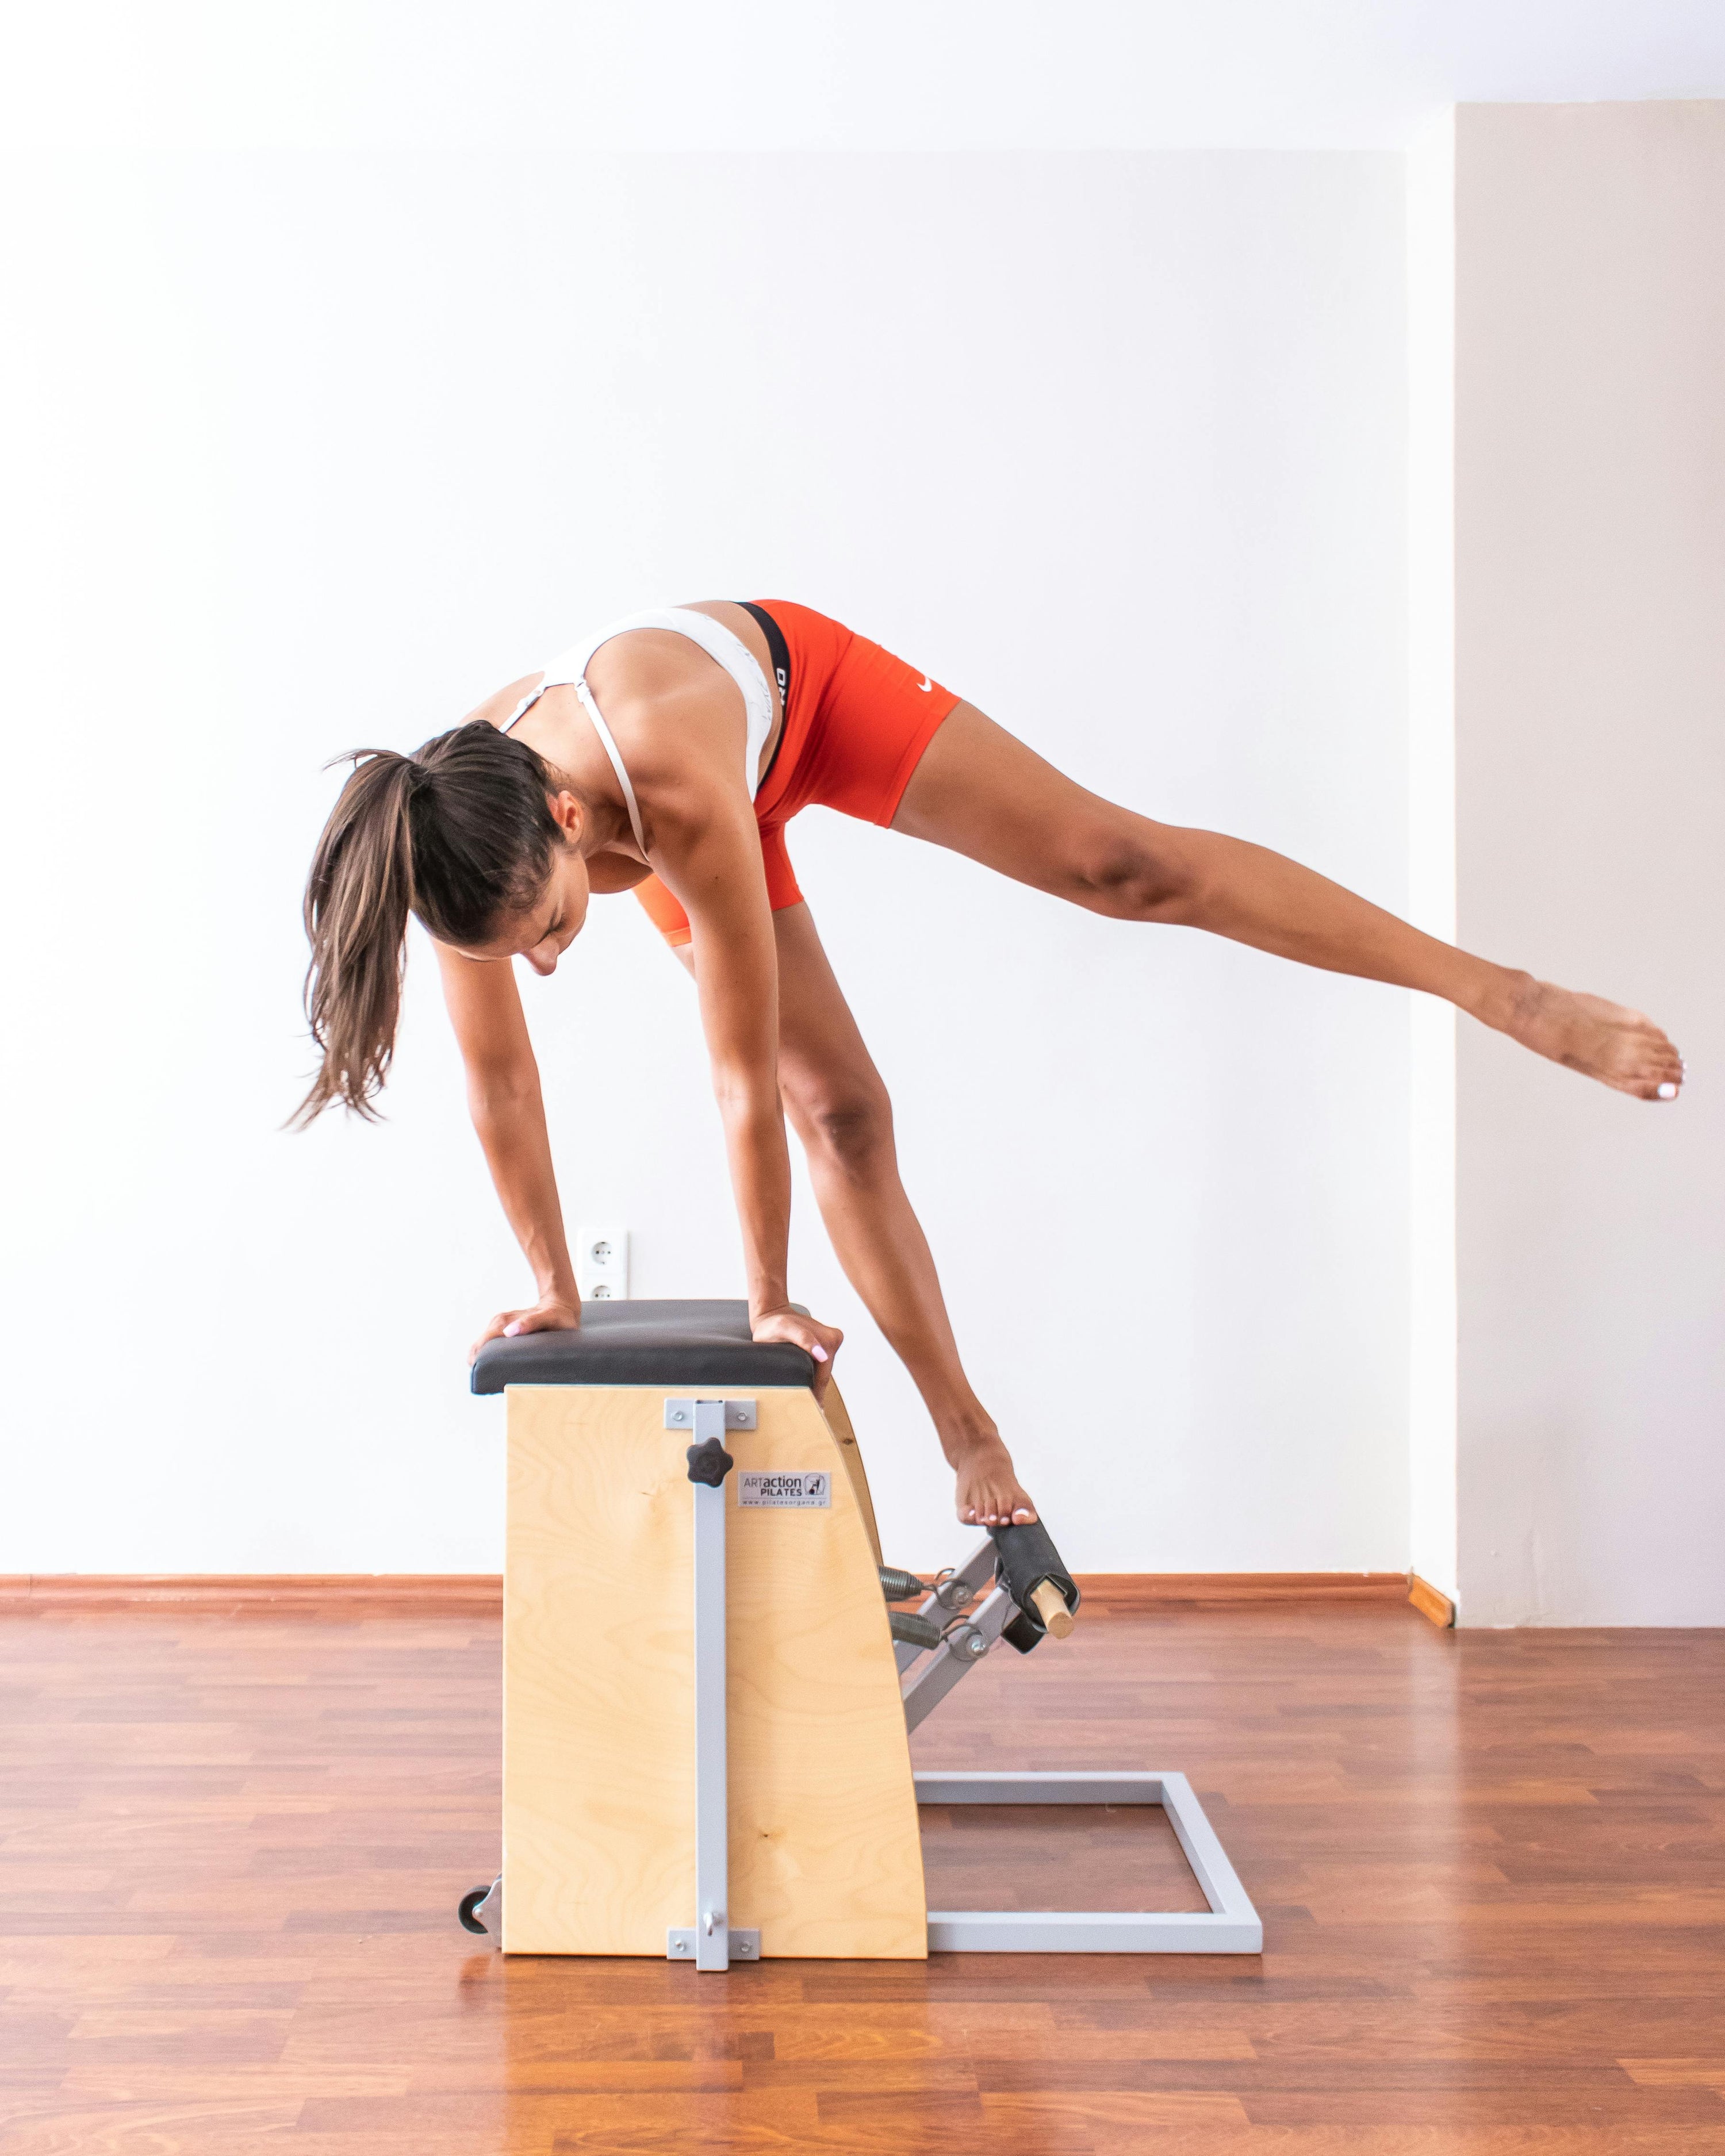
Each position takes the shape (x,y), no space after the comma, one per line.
(459,834)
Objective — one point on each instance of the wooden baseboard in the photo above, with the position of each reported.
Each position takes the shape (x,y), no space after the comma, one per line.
(482,1593)
(1139,1590)
(421,1591)
(1429,1602)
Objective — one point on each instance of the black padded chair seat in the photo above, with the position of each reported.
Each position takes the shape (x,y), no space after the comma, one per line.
(644,1343)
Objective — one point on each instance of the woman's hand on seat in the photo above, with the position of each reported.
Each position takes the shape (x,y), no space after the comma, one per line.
(822,1342)
(552,1313)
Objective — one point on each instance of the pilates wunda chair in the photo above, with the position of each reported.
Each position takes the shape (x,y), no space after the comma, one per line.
(706,1701)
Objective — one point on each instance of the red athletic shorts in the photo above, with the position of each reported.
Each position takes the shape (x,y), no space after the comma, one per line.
(856,722)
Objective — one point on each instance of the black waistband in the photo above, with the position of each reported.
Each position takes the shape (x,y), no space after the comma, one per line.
(780,654)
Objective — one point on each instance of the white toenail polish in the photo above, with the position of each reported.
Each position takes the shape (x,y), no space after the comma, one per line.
(1668,1091)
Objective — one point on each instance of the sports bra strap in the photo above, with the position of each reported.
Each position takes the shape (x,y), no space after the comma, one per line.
(609,744)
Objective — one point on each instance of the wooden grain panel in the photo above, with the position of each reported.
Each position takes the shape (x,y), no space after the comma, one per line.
(598,1676)
(1055,1856)
(825,1855)
(210,1824)
(838,1416)
(598,1747)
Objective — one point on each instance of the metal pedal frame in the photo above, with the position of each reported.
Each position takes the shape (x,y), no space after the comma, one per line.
(957,1654)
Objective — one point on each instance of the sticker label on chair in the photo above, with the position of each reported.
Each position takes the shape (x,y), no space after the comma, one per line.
(809,1487)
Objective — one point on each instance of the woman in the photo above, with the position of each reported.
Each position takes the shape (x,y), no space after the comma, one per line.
(666,756)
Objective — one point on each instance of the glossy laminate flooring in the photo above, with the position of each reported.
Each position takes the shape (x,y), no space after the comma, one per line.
(1490,1866)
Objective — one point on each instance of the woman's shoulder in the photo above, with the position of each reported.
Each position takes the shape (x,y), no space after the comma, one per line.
(502,704)
(642,666)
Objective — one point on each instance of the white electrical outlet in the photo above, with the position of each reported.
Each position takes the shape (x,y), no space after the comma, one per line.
(602,1265)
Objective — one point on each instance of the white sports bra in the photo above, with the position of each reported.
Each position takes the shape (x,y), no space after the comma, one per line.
(732,654)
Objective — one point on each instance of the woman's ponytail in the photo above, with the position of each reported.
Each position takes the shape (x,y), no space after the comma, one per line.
(459,834)
(357,899)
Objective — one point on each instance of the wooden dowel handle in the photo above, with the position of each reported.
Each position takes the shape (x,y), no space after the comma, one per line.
(1050,1606)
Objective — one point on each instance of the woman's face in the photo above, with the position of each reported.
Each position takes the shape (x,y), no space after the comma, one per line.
(549,924)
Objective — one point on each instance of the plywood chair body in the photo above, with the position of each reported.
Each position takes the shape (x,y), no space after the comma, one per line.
(599,1665)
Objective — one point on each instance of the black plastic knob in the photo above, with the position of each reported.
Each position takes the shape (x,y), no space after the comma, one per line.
(709,1463)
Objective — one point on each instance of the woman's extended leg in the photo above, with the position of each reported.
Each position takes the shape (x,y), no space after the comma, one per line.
(978,791)
(835,1099)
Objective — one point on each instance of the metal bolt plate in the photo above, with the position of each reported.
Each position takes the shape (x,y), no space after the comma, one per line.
(739,1415)
(680,1944)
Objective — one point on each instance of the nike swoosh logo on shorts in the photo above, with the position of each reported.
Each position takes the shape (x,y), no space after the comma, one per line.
(925,686)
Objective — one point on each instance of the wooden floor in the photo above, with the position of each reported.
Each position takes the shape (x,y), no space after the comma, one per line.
(1490,1866)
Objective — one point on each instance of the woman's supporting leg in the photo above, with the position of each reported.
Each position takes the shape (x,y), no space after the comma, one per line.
(979,791)
(839,1108)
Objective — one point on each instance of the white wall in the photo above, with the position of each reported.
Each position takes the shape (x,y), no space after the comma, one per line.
(1432,1523)
(849,74)
(313,450)
(1590,682)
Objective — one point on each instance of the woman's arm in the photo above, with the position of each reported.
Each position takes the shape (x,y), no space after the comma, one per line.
(708,849)
(508,1112)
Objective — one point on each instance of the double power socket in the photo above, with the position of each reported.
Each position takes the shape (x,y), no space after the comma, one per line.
(602,1265)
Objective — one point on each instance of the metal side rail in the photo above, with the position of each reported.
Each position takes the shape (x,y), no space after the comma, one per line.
(711,1941)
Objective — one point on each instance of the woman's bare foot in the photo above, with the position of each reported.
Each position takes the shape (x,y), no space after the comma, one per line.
(989,1494)
(1607,1041)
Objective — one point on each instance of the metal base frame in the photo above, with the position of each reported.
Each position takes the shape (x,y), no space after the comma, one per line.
(1231,1925)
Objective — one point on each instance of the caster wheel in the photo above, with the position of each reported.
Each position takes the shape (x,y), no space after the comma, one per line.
(467,1909)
